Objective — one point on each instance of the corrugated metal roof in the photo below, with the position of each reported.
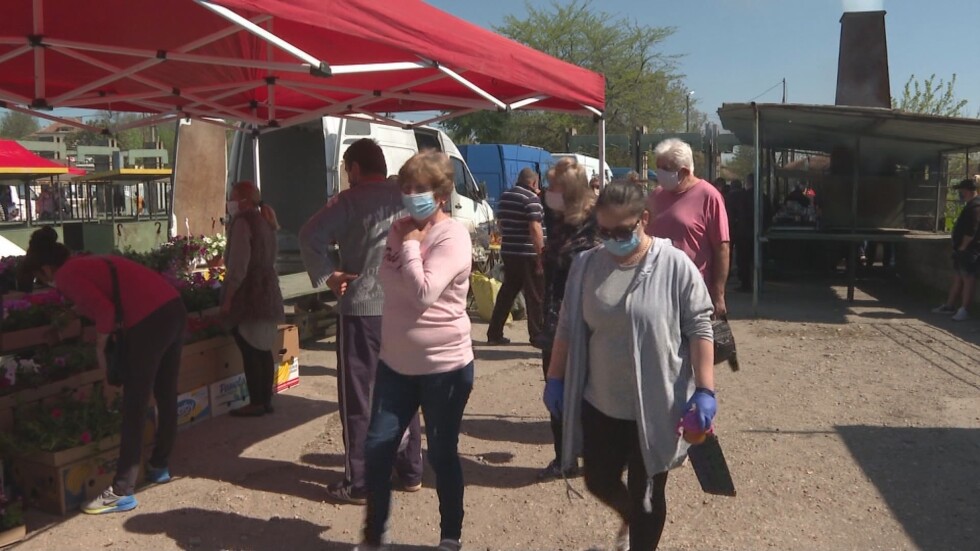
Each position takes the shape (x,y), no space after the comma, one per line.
(885,133)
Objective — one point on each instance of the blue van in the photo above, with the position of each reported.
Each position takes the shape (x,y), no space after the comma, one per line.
(497,165)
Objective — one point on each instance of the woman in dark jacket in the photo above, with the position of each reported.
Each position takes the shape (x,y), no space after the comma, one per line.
(568,200)
(153,320)
(252,300)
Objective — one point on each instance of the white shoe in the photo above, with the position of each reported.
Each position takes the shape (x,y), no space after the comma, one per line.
(623,538)
(944,309)
(961,315)
(449,545)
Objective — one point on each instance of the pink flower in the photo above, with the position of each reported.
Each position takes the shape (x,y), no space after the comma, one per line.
(60,361)
(86,437)
(56,413)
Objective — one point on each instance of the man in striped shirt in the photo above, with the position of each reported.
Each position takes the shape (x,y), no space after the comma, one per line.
(519,214)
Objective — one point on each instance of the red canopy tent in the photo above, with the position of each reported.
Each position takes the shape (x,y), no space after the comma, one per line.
(273,63)
(19,162)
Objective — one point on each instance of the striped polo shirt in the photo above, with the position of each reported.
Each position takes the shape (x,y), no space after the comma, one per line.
(517,208)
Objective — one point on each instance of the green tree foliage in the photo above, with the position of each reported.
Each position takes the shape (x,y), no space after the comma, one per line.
(642,83)
(743,162)
(15,125)
(930,97)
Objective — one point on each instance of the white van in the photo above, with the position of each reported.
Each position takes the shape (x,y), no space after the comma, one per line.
(591,165)
(301,170)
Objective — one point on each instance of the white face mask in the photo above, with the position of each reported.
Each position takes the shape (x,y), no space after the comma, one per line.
(667,179)
(555,200)
(232,208)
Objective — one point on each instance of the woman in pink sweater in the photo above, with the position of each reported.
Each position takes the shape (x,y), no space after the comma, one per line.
(426,355)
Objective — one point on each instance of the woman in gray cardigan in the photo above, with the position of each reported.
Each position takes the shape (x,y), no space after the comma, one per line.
(252,301)
(632,354)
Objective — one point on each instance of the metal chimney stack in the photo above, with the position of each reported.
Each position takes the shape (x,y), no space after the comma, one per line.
(862,68)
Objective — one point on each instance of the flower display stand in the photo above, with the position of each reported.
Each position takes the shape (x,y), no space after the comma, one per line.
(11,341)
(12,535)
(61,482)
(80,383)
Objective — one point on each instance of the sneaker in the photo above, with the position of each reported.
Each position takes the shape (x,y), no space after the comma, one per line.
(944,309)
(623,538)
(109,502)
(157,476)
(961,315)
(449,545)
(500,341)
(553,472)
(409,487)
(343,492)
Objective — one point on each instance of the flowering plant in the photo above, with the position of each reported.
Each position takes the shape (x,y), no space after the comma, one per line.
(199,329)
(71,420)
(49,364)
(11,512)
(9,266)
(35,310)
(214,246)
(198,290)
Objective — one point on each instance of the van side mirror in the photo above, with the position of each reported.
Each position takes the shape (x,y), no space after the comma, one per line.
(481,190)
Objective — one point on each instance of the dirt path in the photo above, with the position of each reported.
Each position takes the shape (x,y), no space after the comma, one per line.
(847,428)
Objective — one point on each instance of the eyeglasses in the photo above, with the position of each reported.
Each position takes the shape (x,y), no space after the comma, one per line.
(621,233)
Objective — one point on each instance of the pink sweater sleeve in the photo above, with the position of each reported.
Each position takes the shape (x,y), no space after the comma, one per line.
(428,278)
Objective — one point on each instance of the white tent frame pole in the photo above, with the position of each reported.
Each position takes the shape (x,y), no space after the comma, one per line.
(15,53)
(53,118)
(8,96)
(150,62)
(228,14)
(38,26)
(379,67)
(602,151)
(473,87)
(525,102)
(255,163)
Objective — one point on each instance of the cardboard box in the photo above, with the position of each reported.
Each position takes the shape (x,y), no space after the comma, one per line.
(227,362)
(288,343)
(228,394)
(193,407)
(61,482)
(287,374)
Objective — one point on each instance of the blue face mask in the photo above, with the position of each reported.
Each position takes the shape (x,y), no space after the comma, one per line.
(420,206)
(622,248)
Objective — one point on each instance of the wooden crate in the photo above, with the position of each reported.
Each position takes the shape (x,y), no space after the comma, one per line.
(80,383)
(316,325)
(24,339)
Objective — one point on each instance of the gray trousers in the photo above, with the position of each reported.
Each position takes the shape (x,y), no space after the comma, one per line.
(358,347)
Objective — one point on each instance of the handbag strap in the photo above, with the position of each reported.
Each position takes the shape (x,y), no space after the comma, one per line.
(117,301)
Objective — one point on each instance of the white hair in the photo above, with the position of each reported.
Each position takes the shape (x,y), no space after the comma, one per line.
(677,153)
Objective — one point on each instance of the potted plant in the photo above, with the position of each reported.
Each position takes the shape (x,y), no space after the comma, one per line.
(35,319)
(49,372)
(12,527)
(203,328)
(214,247)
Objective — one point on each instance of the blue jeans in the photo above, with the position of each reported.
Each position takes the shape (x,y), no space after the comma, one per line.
(397,398)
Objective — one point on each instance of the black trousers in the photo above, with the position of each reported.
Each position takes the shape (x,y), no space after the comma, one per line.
(520,274)
(744,260)
(609,446)
(555,420)
(260,371)
(152,352)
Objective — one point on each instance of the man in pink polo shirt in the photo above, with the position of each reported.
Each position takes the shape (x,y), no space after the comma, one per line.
(691,213)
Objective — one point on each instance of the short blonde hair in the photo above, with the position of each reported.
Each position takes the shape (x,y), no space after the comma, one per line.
(677,152)
(430,167)
(576,191)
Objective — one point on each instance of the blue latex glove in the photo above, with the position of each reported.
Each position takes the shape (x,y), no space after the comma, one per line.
(705,406)
(554,395)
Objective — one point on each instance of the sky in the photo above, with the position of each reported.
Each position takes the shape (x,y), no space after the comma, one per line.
(734,50)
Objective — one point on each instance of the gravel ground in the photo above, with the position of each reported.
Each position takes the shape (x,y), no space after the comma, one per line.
(848,427)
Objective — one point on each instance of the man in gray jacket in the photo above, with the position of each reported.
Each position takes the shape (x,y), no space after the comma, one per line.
(358,220)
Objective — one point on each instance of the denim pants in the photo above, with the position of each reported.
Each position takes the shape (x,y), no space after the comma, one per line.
(397,398)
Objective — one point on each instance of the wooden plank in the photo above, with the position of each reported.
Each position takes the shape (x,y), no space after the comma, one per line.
(297,286)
